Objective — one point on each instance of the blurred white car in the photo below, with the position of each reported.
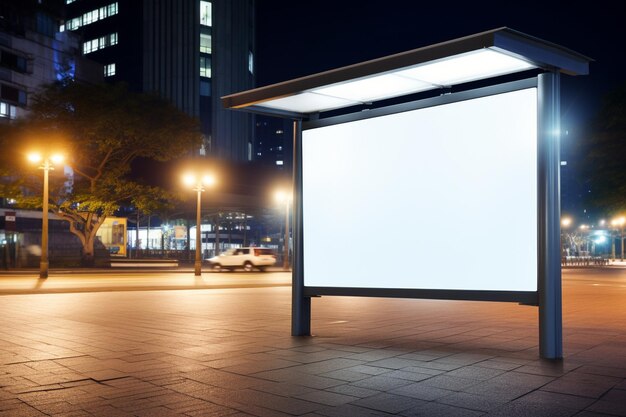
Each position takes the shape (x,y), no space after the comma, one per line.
(246,258)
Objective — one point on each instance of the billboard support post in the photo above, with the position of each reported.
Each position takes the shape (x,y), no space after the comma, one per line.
(300,304)
(549,227)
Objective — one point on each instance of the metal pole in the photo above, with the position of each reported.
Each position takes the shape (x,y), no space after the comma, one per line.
(549,214)
(198,263)
(286,241)
(622,243)
(43,265)
(300,304)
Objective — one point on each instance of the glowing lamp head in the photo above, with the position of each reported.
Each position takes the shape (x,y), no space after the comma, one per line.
(189,179)
(618,221)
(282,196)
(566,222)
(57,158)
(208,179)
(34,157)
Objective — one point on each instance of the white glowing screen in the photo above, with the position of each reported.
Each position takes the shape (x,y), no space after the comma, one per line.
(443,197)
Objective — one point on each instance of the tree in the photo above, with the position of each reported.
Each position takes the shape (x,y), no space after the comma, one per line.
(102,129)
(605,155)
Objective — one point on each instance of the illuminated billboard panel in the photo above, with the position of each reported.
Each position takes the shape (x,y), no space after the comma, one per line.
(442,197)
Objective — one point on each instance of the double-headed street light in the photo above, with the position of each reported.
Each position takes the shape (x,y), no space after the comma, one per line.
(284,197)
(46,165)
(198,183)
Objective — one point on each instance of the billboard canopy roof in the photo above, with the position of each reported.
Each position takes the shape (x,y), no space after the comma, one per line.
(472,58)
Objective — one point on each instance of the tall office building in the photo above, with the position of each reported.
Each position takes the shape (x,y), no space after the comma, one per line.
(191,52)
(274,142)
(33,52)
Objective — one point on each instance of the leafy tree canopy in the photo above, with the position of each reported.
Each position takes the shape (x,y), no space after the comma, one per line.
(100,129)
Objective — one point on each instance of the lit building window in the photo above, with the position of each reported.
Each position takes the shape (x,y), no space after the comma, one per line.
(205,13)
(205,43)
(92,16)
(251,62)
(99,43)
(7,110)
(62,28)
(205,66)
(109,70)
(279,162)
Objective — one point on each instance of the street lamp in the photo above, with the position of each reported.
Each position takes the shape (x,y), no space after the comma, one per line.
(197,183)
(46,165)
(283,197)
(619,223)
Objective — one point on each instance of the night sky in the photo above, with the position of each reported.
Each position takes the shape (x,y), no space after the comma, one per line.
(298,38)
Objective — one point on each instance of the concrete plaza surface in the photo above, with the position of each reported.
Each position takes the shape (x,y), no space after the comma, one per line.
(227,352)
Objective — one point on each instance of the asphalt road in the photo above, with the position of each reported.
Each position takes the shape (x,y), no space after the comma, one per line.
(59,281)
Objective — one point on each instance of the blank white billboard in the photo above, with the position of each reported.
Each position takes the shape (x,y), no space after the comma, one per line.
(443,197)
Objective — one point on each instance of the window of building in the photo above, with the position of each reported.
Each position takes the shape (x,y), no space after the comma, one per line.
(109,70)
(92,16)
(100,43)
(205,66)
(205,43)
(205,13)
(279,162)
(205,88)
(12,61)
(251,62)
(13,94)
(7,110)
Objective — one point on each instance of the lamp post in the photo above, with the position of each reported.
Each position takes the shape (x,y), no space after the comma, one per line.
(197,183)
(46,165)
(619,223)
(281,197)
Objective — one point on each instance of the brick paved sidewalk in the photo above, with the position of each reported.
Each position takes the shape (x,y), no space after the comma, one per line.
(227,352)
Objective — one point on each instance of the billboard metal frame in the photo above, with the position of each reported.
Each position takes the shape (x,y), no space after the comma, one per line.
(548,294)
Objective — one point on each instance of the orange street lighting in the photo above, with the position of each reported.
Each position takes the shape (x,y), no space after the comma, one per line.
(46,166)
(284,197)
(198,183)
(566,222)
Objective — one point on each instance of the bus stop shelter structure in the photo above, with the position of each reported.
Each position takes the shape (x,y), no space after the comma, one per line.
(483,65)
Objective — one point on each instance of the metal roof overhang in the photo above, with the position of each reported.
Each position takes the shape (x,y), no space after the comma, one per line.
(476,57)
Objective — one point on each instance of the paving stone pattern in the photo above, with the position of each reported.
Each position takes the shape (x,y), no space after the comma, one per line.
(228,352)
